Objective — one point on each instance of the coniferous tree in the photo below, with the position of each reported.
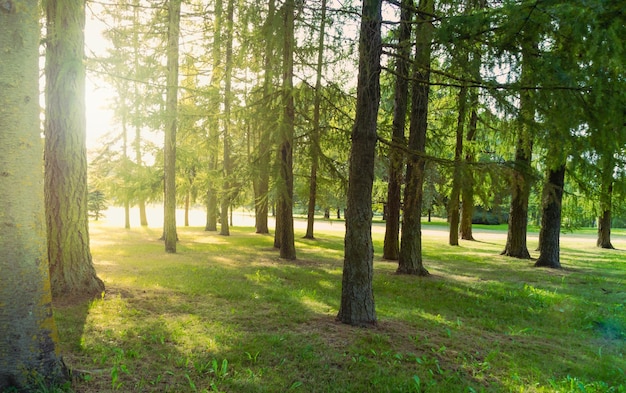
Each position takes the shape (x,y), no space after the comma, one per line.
(28,343)
(71,266)
(357,296)
(169,150)
(391,247)
(410,261)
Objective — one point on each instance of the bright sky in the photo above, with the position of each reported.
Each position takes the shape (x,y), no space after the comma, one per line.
(98,94)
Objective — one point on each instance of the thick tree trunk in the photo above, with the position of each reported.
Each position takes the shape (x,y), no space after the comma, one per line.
(391,247)
(410,261)
(71,267)
(285,149)
(169,220)
(357,295)
(28,338)
(551,219)
(604,230)
(315,132)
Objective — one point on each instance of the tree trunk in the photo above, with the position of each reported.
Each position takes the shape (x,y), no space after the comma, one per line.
(28,342)
(213,133)
(261,196)
(285,149)
(606,202)
(391,247)
(551,219)
(71,266)
(457,181)
(410,261)
(357,296)
(467,187)
(226,191)
(169,221)
(315,132)
(516,245)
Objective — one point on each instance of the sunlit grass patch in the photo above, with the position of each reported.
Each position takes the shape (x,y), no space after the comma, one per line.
(227,314)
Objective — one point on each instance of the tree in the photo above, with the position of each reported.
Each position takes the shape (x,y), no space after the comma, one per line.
(71,267)
(315,132)
(284,219)
(228,75)
(169,223)
(97,203)
(357,296)
(28,343)
(391,247)
(551,219)
(410,261)
(213,124)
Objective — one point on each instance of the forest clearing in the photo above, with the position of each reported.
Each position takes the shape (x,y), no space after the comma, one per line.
(227,314)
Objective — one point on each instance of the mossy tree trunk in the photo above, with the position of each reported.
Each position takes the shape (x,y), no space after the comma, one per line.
(28,339)
(71,267)
(391,246)
(357,295)
(410,261)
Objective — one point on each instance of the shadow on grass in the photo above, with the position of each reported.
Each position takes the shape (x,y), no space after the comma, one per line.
(222,315)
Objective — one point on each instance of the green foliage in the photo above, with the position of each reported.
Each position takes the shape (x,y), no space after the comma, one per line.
(96,204)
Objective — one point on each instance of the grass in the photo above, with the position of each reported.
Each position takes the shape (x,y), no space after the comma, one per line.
(226,314)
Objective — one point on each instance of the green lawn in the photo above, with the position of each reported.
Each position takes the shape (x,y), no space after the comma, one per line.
(226,314)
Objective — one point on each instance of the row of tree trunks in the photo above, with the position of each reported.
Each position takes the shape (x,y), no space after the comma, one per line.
(410,261)
(391,247)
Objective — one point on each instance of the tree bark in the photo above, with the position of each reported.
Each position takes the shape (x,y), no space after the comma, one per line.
(606,201)
(285,149)
(315,132)
(226,191)
(391,246)
(169,221)
(549,237)
(467,187)
(213,133)
(357,295)
(457,181)
(29,340)
(261,202)
(410,261)
(516,245)
(71,266)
